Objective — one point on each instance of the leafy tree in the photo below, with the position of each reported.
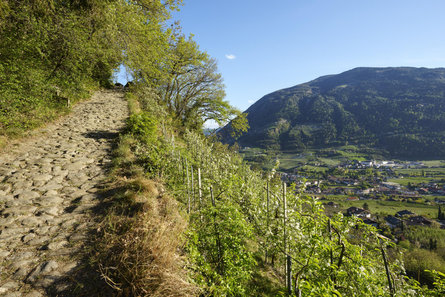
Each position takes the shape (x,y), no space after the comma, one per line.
(57,50)
(192,89)
(239,125)
(440,214)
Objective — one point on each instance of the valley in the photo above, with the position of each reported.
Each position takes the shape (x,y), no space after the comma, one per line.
(404,200)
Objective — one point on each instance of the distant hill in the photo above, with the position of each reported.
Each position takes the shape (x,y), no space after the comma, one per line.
(400,110)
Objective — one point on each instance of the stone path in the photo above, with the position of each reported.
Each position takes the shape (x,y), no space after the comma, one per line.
(48,187)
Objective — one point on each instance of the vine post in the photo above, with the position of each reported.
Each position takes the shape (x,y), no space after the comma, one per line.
(289,274)
(284,226)
(267,220)
(199,188)
(388,274)
(193,189)
(188,186)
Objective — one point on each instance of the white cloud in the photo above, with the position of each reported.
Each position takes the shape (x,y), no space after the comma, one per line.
(230,56)
(251,101)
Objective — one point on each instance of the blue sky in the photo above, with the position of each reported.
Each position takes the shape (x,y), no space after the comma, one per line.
(262,46)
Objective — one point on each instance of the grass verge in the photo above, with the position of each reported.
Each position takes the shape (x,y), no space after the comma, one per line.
(19,123)
(140,247)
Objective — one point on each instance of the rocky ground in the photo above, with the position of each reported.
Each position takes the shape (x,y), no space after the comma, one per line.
(49,188)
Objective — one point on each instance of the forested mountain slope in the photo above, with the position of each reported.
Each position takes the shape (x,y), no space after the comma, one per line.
(401,110)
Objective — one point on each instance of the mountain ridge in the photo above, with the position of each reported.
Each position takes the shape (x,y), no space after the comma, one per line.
(397,109)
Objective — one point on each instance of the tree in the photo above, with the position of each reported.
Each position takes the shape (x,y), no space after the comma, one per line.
(239,125)
(365,206)
(51,49)
(193,91)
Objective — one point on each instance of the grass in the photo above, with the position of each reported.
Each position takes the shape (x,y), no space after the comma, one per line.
(406,180)
(420,171)
(421,175)
(314,168)
(387,207)
(433,163)
(330,162)
(139,252)
(21,123)
(352,155)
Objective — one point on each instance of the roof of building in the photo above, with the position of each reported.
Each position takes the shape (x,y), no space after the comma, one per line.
(404,212)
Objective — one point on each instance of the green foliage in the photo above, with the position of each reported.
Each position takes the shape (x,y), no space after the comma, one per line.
(239,125)
(420,236)
(418,261)
(143,126)
(439,283)
(192,89)
(55,51)
(51,51)
(218,250)
(440,214)
(336,256)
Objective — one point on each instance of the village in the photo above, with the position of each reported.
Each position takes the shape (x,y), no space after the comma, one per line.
(354,188)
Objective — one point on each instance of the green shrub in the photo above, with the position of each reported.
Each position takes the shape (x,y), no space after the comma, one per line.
(418,261)
(218,250)
(143,126)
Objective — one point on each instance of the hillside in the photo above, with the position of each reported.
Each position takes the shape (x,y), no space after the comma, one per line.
(400,110)
(126,196)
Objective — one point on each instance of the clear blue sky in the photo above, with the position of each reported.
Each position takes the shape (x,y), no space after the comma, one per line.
(262,46)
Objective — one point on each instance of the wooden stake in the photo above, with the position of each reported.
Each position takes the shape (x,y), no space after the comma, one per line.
(284,223)
(193,189)
(388,274)
(181,166)
(188,186)
(199,188)
(289,275)
(330,238)
(211,196)
(267,219)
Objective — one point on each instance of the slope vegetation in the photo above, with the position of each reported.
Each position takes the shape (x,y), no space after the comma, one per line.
(400,110)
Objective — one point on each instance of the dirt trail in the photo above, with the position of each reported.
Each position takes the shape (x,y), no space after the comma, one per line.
(48,189)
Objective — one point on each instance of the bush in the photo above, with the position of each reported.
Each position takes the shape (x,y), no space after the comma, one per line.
(143,126)
(218,250)
(420,260)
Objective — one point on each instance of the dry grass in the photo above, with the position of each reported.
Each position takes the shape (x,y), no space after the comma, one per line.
(140,248)
(3,142)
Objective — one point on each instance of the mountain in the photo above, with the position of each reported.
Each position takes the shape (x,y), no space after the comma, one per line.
(400,110)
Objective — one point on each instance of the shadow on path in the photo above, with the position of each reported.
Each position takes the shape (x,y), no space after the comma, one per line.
(86,279)
(101,135)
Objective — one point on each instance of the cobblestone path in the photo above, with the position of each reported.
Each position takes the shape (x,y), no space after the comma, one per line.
(48,188)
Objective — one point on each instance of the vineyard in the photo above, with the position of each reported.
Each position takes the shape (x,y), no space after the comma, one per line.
(250,234)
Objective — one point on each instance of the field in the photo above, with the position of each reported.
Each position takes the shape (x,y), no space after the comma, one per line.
(323,158)
(384,208)
(420,175)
